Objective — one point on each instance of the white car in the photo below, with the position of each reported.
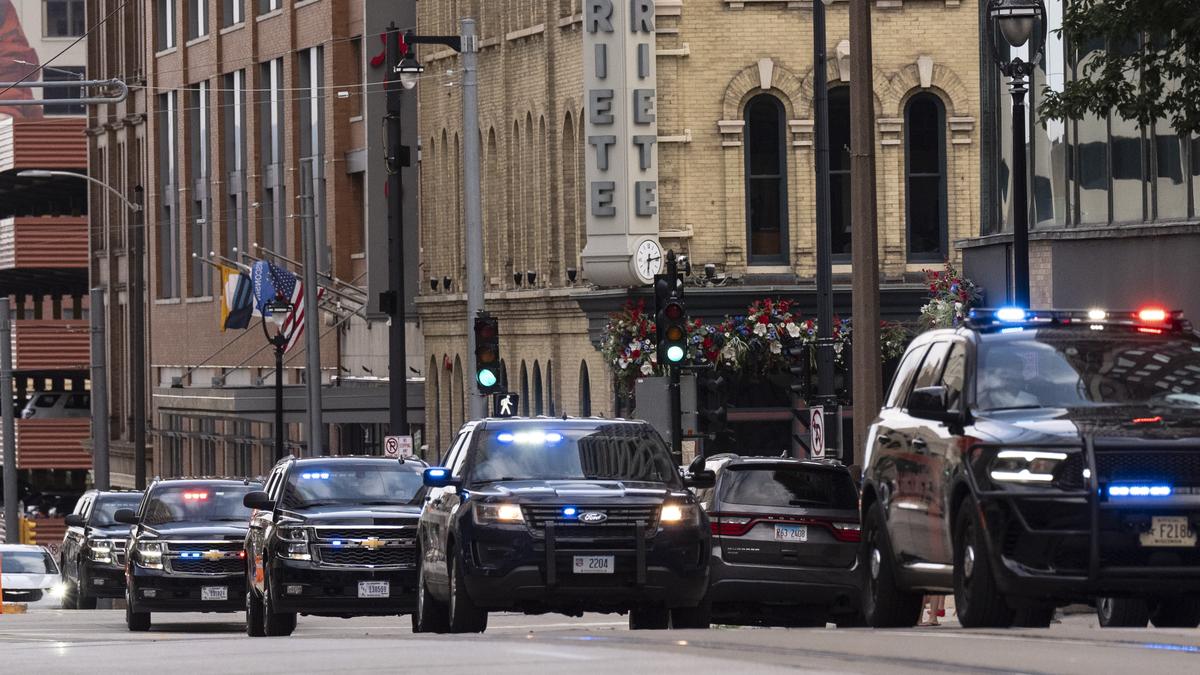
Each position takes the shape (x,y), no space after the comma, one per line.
(58,405)
(30,576)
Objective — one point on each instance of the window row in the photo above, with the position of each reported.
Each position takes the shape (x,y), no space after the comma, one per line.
(167,14)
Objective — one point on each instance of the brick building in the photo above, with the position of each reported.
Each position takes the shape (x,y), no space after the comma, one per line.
(732,76)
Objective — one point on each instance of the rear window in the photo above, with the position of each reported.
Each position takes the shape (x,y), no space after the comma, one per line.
(46,400)
(789,486)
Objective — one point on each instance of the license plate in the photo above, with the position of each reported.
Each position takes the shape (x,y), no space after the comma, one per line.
(374,589)
(791,533)
(594,564)
(217,593)
(1169,531)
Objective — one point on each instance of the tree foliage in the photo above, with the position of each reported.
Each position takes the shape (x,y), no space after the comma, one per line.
(1149,71)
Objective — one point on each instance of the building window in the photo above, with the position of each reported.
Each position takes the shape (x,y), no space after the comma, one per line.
(839,173)
(925,169)
(585,391)
(165,25)
(233,109)
(201,235)
(61,74)
(311,114)
(538,407)
(766,181)
(268,6)
(273,211)
(168,233)
(524,391)
(232,12)
(64,18)
(198,19)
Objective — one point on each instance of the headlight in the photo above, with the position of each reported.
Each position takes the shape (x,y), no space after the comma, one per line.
(293,542)
(100,550)
(293,533)
(498,513)
(149,554)
(1026,466)
(57,591)
(679,514)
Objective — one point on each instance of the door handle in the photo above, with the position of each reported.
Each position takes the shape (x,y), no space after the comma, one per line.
(883,439)
(920,445)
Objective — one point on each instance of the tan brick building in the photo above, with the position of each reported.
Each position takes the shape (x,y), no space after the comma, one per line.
(732,75)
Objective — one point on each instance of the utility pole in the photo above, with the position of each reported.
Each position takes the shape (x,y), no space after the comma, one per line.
(100,423)
(1017,88)
(867,384)
(312,329)
(473,203)
(12,523)
(825,355)
(397,159)
(137,334)
(673,392)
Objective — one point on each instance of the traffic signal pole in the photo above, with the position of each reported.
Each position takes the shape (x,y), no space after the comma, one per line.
(398,158)
(673,370)
(825,391)
(472,199)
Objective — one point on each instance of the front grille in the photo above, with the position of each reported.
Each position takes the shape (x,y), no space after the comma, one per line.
(202,566)
(391,556)
(1181,467)
(1068,475)
(223,546)
(366,532)
(617,517)
(31,595)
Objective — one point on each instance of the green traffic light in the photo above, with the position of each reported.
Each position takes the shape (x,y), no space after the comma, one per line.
(487,378)
(674,353)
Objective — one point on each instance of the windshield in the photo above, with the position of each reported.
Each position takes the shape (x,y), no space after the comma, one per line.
(611,452)
(370,482)
(197,503)
(102,514)
(27,562)
(1051,368)
(789,486)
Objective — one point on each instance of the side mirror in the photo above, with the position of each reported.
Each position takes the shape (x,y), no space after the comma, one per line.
(126,516)
(930,403)
(258,500)
(697,465)
(439,477)
(75,520)
(701,479)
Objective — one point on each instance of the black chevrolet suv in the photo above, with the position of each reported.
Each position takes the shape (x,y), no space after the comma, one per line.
(333,536)
(185,550)
(560,515)
(92,557)
(1035,458)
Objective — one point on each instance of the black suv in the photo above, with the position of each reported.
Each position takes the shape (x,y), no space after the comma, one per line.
(185,551)
(333,536)
(785,541)
(92,557)
(1035,458)
(560,515)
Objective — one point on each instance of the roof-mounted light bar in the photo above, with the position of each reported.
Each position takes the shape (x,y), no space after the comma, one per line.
(1005,318)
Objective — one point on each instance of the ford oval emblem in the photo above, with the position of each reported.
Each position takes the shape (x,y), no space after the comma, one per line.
(593,517)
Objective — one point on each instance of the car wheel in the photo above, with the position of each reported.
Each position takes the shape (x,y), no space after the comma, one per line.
(1177,613)
(68,600)
(885,605)
(699,616)
(137,622)
(1038,615)
(1122,612)
(977,601)
(649,618)
(275,624)
(431,616)
(465,616)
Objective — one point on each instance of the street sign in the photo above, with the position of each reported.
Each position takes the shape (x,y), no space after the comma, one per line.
(505,405)
(816,427)
(398,446)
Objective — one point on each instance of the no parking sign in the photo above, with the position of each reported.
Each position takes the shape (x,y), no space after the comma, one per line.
(816,427)
(397,446)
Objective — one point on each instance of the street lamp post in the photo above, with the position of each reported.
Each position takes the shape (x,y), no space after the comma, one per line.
(1017,23)
(279,341)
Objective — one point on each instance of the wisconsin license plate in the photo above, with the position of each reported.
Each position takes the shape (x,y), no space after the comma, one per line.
(791,533)
(374,589)
(1169,531)
(217,593)
(594,564)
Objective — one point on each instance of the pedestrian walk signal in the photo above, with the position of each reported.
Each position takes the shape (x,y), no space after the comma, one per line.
(487,354)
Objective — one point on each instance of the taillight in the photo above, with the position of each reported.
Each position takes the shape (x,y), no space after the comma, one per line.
(730,526)
(848,532)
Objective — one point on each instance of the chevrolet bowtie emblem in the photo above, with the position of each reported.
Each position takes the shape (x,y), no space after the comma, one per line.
(373,543)
(213,555)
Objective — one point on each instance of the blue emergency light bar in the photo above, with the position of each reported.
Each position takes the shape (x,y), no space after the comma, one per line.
(315,475)
(1010,319)
(529,437)
(1139,491)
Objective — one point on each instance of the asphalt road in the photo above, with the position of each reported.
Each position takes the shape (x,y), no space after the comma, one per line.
(55,641)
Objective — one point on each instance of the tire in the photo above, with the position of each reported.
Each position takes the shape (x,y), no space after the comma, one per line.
(275,624)
(1122,612)
(1181,612)
(69,599)
(649,618)
(255,621)
(431,616)
(465,616)
(137,622)
(977,601)
(884,604)
(1034,616)
(698,617)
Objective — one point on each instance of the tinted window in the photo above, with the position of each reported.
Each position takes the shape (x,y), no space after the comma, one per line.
(931,368)
(78,401)
(904,375)
(368,482)
(46,400)
(952,376)
(27,562)
(197,503)
(610,452)
(102,514)
(789,486)
(1065,368)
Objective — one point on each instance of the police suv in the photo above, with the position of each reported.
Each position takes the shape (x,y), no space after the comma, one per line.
(1035,458)
(560,515)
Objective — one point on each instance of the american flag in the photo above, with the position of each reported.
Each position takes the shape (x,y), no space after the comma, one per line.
(287,285)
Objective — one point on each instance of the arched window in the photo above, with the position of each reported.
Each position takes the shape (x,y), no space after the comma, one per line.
(504,376)
(551,409)
(524,391)
(460,396)
(925,171)
(435,414)
(537,389)
(568,165)
(766,181)
(585,391)
(839,172)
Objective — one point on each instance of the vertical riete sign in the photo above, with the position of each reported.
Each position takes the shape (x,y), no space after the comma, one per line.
(621,128)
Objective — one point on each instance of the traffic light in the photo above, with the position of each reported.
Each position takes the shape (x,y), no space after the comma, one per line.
(28,531)
(487,354)
(800,357)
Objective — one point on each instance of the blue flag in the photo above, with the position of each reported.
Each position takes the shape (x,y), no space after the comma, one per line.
(264,285)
